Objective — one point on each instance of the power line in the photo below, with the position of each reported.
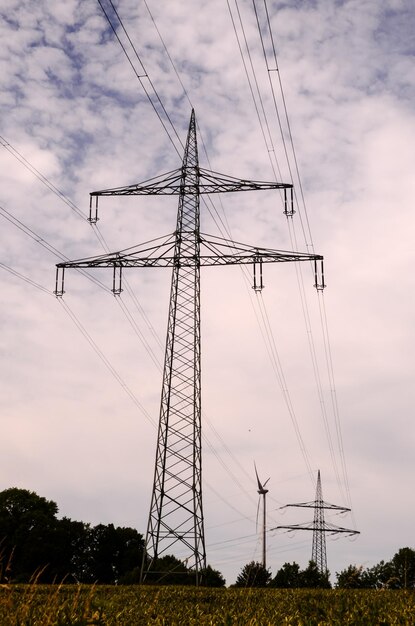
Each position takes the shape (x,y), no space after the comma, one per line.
(259,108)
(25,278)
(335,406)
(92,343)
(41,177)
(266,329)
(106,362)
(278,370)
(146,76)
(270,71)
(41,241)
(88,337)
(287,119)
(267,333)
(176,512)
(314,359)
(139,76)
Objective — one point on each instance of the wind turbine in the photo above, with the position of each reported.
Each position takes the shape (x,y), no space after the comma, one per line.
(262,492)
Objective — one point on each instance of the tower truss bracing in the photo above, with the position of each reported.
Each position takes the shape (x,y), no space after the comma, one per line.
(176,522)
(319,526)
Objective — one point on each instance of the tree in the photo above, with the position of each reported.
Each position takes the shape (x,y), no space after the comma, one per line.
(168,570)
(399,573)
(313,578)
(403,564)
(380,576)
(71,551)
(103,548)
(114,554)
(291,577)
(253,574)
(288,577)
(28,527)
(127,563)
(33,542)
(211,577)
(351,578)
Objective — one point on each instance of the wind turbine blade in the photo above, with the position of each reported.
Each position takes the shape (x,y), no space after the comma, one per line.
(266,481)
(260,488)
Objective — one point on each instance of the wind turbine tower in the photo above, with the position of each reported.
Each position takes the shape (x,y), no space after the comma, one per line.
(263,492)
(176,520)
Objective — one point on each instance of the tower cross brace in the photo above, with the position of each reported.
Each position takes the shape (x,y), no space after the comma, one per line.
(176,520)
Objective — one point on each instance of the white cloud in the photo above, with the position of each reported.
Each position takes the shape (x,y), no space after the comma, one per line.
(72,106)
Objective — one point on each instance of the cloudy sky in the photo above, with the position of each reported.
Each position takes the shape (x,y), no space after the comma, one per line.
(81,377)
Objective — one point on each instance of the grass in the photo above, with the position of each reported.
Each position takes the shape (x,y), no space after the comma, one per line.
(86,605)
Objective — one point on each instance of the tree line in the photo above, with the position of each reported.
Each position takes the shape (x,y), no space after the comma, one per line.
(35,544)
(290,576)
(398,573)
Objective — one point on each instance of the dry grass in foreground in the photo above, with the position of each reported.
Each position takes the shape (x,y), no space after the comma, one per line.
(87,605)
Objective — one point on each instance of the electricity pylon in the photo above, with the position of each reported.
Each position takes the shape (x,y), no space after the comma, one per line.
(319,527)
(176,512)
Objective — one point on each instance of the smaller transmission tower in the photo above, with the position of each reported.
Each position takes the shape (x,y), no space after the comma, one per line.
(319,526)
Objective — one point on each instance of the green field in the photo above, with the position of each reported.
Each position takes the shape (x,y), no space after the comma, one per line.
(68,605)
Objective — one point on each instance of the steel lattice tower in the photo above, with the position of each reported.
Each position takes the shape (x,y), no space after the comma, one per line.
(176,512)
(318,550)
(319,527)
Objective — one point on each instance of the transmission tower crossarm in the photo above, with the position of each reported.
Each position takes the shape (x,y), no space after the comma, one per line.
(171,183)
(322,505)
(163,185)
(162,255)
(214,182)
(322,527)
(212,252)
(220,251)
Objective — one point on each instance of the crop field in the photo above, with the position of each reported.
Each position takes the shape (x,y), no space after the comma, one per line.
(69,605)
